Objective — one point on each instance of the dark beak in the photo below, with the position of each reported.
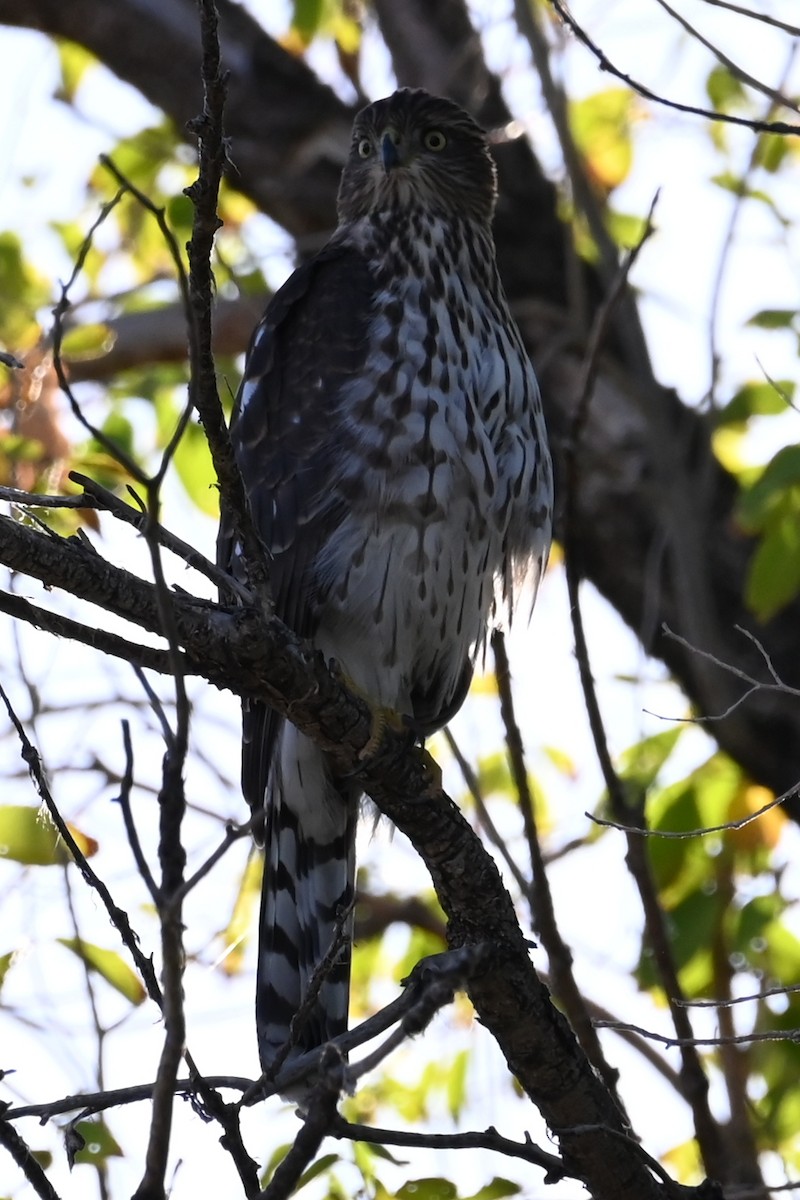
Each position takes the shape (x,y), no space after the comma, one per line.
(389,154)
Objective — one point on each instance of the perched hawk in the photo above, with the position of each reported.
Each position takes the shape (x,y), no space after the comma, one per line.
(390,435)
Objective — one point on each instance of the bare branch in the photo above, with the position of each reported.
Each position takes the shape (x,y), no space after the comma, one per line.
(59,313)
(119,918)
(318,1119)
(738,72)
(702,831)
(489,1139)
(710,114)
(753,15)
(98,639)
(629,808)
(23,1156)
(558,952)
(124,801)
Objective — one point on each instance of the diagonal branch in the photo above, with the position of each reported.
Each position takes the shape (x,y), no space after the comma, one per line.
(256,655)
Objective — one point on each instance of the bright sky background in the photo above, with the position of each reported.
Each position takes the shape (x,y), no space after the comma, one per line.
(51,148)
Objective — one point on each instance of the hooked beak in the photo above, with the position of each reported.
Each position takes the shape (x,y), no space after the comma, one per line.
(389,152)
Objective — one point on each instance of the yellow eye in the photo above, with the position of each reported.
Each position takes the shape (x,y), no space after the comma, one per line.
(364,148)
(434,140)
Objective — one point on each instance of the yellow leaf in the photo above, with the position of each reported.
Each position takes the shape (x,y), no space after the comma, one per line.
(484,684)
(27,835)
(765,831)
(235,934)
(110,965)
(601,126)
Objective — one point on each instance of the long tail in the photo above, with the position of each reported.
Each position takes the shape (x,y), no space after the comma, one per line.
(309,882)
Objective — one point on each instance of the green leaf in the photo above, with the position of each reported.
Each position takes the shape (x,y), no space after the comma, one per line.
(762,500)
(641,763)
(75,61)
(724,90)
(317,1168)
(195,469)
(18,325)
(626,229)
(692,925)
(110,965)
(561,760)
(771,151)
(494,774)
(374,1150)
(307,19)
(192,457)
(274,1161)
(119,430)
(683,865)
(740,187)
(87,342)
(457,1084)
(601,126)
(27,835)
(99,1143)
(428,1189)
(773,318)
(5,965)
(773,578)
(496,1189)
(763,399)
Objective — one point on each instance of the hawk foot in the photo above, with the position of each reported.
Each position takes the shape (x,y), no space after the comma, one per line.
(383,718)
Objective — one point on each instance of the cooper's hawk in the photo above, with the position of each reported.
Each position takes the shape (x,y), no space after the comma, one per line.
(390,435)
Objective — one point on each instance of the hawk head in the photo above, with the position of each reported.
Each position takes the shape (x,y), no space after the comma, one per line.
(414,150)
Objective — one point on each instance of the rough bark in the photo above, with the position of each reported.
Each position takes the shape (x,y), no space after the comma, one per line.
(655,527)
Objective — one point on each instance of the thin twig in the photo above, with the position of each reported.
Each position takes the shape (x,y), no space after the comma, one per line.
(627,808)
(700,831)
(738,72)
(23,1156)
(710,115)
(108,644)
(653,1163)
(59,313)
(730,668)
(124,801)
(793,30)
(319,1116)
(233,834)
(739,1039)
(105,500)
(488,1139)
(118,917)
(728,241)
(545,924)
(203,383)
(487,824)
(95,1102)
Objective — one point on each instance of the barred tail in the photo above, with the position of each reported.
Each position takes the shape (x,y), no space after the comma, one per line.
(309,881)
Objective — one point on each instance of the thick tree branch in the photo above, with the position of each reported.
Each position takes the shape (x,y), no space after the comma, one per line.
(256,655)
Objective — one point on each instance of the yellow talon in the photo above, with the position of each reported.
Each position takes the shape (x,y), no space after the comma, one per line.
(382,718)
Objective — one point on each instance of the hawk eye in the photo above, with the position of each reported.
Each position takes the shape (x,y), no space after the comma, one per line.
(364,148)
(435,140)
